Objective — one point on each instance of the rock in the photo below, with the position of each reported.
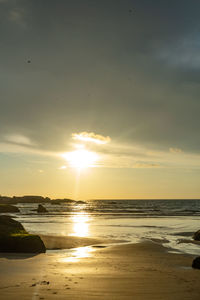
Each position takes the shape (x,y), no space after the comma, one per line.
(9,226)
(14,238)
(61,201)
(41,209)
(196,263)
(196,236)
(22,243)
(7,208)
(80,202)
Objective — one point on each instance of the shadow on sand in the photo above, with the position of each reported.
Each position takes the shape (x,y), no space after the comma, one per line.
(9,255)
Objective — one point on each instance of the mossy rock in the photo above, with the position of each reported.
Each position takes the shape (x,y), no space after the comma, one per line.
(14,238)
(9,226)
(7,208)
(22,243)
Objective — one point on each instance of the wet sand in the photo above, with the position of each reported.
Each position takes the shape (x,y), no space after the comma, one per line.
(127,271)
(63,242)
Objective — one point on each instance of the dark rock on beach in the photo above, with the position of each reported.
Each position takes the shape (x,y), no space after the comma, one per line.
(21,243)
(41,209)
(196,263)
(10,226)
(196,236)
(14,238)
(7,208)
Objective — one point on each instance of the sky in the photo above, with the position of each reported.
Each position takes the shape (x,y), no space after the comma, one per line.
(100,99)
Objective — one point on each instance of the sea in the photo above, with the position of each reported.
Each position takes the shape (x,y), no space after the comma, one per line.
(170,222)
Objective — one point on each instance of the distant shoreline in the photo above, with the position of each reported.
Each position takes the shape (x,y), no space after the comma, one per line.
(42,199)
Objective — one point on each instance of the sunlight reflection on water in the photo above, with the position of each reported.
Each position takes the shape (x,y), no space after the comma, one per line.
(78,253)
(80,225)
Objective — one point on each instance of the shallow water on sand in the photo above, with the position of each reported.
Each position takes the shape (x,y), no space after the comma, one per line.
(163,221)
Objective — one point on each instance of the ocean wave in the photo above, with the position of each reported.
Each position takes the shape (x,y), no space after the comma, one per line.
(128,208)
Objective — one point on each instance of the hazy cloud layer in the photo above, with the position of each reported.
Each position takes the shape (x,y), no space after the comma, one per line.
(18,140)
(91,137)
(94,66)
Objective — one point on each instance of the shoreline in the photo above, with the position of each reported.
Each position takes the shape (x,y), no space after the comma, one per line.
(69,242)
(145,270)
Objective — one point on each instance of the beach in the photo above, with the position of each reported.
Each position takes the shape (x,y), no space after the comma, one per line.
(144,270)
(99,150)
(106,250)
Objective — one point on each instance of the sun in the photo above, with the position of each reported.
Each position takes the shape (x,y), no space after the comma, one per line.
(81,159)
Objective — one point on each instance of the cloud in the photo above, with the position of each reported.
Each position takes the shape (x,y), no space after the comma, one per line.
(126,162)
(62,168)
(91,137)
(19,140)
(17,16)
(146,165)
(175,150)
(20,144)
(125,80)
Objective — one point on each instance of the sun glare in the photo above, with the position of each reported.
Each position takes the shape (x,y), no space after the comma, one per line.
(80,225)
(81,158)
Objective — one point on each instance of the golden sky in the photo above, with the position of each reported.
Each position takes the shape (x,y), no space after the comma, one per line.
(100,99)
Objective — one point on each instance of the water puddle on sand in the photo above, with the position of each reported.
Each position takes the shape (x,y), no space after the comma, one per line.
(77,253)
(186,268)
